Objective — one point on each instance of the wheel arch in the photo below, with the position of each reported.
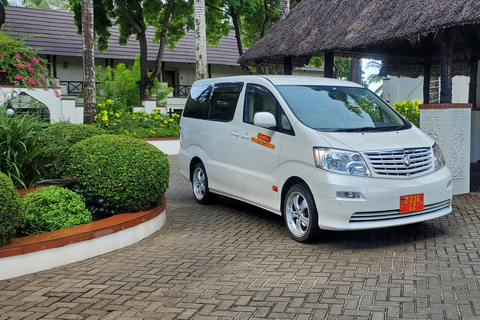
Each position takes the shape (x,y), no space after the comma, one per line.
(287,185)
(193,163)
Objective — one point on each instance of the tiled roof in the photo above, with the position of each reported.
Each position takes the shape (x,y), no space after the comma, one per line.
(58,36)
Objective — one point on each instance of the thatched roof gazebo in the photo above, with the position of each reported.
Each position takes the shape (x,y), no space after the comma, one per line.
(412,38)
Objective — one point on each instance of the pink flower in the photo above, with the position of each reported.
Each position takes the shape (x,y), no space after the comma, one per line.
(18,56)
(21,66)
(31,81)
(3,70)
(35,61)
(57,94)
(31,70)
(18,77)
(1,56)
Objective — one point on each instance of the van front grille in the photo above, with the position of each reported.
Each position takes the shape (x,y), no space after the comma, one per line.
(395,214)
(400,162)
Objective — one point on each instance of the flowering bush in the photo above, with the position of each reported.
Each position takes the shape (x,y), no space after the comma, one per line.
(19,65)
(135,124)
(409,110)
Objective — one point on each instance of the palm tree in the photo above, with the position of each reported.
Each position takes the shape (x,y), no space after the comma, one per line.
(200,39)
(88,61)
(375,77)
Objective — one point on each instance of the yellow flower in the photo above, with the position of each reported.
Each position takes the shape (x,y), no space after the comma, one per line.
(126,131)
(105,118)
(106,124)
(134,133)
(170,120)
(109,101)
(118,115)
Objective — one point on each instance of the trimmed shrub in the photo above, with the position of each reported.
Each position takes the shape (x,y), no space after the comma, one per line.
(116,174)
(409,110)
(52,208)
(59,137)
(9,209)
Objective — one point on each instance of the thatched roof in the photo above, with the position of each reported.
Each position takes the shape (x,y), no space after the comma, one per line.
(404,31)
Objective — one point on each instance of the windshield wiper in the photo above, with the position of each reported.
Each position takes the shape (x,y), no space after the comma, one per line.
(361,129)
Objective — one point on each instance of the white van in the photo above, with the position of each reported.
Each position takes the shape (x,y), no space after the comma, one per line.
(324,153)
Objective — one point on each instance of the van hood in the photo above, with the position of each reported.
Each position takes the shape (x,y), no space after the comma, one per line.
(370,141)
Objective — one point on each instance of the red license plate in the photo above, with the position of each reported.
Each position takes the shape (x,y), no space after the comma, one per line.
(411,203)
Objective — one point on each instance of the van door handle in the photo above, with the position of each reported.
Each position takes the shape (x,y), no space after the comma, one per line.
(246,136)
(235,134)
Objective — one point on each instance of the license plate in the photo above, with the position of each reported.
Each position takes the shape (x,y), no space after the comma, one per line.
(411,203)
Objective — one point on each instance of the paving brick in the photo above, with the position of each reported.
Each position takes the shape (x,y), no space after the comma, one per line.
(231,260)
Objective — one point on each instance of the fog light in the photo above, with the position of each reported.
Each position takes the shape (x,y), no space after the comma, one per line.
(449,183)
(348,195)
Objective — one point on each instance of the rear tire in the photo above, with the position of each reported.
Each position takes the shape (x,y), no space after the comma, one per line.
(201,192)
(300,213)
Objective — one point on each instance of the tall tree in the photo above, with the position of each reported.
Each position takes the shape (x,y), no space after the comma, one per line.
(89,94)
(168,17)
(200,40)
(222,12)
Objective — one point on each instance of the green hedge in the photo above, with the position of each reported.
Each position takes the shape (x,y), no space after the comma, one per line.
(52,208)
(116,174)
(10,207)
(59,137)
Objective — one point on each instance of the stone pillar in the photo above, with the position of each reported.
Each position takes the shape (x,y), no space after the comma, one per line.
(449,125)
(149,105)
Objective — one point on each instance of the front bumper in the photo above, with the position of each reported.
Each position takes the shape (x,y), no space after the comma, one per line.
(379,202)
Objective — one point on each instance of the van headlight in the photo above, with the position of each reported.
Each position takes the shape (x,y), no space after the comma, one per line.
(439,160)
(341,161)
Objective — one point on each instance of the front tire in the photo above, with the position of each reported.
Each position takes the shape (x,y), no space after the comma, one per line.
(300,214)
(201,192)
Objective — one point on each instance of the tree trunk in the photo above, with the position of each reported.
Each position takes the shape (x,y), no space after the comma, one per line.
(161,48)
(236,27)
(144,81)
(89,95)
(284,8)
(200,40)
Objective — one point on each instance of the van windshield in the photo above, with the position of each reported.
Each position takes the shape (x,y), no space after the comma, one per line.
(347,109)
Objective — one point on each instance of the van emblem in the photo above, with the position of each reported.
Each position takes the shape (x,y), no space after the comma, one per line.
(406,160)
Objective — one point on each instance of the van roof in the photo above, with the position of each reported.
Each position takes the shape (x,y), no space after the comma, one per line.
(283,80)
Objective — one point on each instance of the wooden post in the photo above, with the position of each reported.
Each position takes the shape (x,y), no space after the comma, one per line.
(356,70)
(329,62)
(287,65)
(472,89)
(426,80)
(446,67)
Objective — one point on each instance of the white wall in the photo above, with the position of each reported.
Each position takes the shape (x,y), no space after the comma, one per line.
(397,89)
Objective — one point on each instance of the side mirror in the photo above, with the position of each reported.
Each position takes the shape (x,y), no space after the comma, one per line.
(265,120)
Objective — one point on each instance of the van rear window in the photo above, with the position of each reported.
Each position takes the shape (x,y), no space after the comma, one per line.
(197,102)
(217,103)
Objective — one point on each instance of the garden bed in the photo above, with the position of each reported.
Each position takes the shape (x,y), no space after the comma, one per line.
(52,249)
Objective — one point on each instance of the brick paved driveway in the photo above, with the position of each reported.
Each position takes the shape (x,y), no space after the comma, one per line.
(233,261)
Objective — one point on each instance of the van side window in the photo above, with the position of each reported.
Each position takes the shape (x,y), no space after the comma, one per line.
(197,103)
(260,99)
(224,101)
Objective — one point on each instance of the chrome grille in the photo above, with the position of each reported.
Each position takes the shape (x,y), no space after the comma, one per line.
(392,162)
(395,214)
